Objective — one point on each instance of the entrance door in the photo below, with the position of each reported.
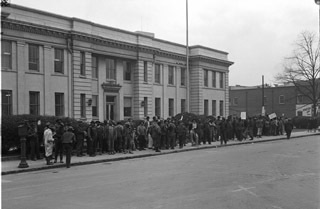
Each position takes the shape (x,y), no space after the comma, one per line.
(110,105)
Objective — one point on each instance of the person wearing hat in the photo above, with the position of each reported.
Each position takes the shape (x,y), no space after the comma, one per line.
(58,149)
(48,142)
(33,138)
(288,126)
(68,138)
(91,139)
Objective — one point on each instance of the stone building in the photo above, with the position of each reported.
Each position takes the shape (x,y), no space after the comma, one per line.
(57,65)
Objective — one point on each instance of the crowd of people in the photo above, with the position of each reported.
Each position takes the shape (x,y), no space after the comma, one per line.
(110,137)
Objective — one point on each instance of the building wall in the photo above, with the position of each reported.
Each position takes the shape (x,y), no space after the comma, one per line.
(75,36)
(250,101)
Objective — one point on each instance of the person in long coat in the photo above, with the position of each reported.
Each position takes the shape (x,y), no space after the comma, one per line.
(48,142)
(288,126)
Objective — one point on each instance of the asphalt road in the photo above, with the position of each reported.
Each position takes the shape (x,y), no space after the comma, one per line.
(275,175)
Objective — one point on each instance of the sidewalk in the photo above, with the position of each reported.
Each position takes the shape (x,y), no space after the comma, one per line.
(11,167)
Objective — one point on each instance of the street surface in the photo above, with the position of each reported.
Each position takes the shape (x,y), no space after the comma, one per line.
(273,175)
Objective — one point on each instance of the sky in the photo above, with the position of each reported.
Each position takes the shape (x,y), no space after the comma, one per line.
(258,35)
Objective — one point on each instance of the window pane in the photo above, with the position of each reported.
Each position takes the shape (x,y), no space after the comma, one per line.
(34,102)
(127,71)
(33,57)
(94,105)
(83,105)
(127,106)
(6,102)
(205,77)
(110,65)
(221,80)
(157,73)
(58,60)
(221,108)
(183,76)
(59,104)
(157,107)
(171,107)
(206,104)
(183,105)
(82,64)
(6,54)
(94,64)
(214,75)
(171,75)
(145,69)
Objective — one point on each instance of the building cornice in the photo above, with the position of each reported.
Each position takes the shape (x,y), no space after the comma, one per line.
(75,35)
(225,63)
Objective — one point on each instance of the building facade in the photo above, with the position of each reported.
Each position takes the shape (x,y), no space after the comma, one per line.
(283,100)
(56,65)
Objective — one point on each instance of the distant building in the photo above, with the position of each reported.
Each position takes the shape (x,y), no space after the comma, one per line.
(56,65)
(284,100)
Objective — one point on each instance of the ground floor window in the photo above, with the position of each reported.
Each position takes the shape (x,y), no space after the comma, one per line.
(34,102)
(127,109)
(59,104)
(6,102)
(157,106)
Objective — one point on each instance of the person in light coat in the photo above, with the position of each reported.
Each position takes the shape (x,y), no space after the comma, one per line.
(48,142)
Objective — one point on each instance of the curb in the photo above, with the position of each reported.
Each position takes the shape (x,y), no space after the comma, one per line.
(127,157)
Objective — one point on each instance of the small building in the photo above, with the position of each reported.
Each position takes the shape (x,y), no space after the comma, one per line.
(283,100)
(62,66)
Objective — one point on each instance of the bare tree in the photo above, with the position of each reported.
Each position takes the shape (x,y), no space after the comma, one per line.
(302,68)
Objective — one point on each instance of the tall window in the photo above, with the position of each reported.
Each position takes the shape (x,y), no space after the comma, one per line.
(171,75)
(58,60)
(183,105)
(33,57)
(6,54)
(157,73)
(221,80)
(214,79)
(110,69)
(183,76)
(6,102)
(34,102)
(281,99)
(221,108)
(171,107)
(145,71)
(83,105)
(214,107)
(127,109)
(145,100)
(94,105)
(157,107)
(59,104)
(82,64)
(206,107)
(205,77)
(127,69)
(94,65)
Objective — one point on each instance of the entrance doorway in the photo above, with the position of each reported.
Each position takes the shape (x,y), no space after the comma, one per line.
(110,107)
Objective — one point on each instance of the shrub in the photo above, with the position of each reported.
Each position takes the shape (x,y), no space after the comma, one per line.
(9,128)
(303,121)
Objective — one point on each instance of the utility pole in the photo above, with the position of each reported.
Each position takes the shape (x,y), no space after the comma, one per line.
(187,54)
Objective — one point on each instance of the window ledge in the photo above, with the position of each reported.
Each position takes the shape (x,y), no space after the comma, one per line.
(34,72)
(9,70)
(59,74)
(82,76)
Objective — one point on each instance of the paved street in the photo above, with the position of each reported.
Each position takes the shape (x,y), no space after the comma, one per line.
(276,175)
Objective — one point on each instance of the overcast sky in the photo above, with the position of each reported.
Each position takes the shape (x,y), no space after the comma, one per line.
(256,34)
